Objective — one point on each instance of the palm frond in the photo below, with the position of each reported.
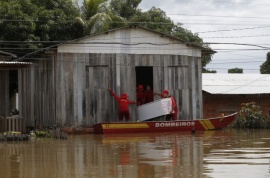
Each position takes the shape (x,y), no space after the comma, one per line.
(99,22)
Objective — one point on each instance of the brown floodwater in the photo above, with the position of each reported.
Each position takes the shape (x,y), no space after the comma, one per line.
(225,153)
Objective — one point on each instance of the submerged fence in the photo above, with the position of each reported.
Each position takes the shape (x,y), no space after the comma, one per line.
(12,123)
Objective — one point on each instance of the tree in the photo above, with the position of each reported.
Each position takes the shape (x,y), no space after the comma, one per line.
(60,20)
(99,17)
(125,8)
(265,67)
(187,36)
(57,20)
(154,19)
(38,20)
(208,71)
(235,70)
(18,20)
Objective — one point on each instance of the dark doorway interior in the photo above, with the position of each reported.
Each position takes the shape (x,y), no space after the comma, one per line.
(13,82)
(144,76)
(13,90)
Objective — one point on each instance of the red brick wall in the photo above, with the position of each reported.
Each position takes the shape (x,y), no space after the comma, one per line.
(214,105)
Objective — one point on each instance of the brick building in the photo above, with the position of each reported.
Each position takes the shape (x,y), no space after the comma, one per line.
(224,93)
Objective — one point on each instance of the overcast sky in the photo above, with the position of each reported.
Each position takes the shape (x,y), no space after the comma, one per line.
(224,21)
(231,21)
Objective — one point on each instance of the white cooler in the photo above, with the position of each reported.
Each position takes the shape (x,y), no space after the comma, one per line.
(154,109)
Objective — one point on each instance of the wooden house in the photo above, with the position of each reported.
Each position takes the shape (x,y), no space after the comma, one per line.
(68,85)
(8,83)
(5,67)
(224,93)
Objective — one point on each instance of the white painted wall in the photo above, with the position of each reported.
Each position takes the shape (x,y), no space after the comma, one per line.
(17,101)
(129,36)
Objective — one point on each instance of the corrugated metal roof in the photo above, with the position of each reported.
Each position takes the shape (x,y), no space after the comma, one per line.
(7,54)
(13,64)
(236,83)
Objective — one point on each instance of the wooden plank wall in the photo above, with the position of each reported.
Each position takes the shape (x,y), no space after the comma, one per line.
(72,89)
(37,93)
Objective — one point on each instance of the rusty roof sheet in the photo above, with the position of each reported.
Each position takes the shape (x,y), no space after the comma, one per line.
(236,83)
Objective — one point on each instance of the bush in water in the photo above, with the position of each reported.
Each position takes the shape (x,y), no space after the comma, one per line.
(251,116)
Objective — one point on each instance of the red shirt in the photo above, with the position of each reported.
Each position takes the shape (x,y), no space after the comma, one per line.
(174,105)
(122,102)
(140,94)
(148,96)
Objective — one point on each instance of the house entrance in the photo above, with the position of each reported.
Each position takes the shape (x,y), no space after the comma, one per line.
(144,76)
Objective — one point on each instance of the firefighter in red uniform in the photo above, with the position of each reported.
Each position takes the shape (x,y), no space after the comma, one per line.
(174,111)
(123,103)
(140,95)
(148,95)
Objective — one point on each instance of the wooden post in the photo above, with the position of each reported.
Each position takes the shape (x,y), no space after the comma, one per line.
(12,123)
(2,126)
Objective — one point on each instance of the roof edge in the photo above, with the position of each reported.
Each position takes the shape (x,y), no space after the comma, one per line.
(8,54)
(204,50)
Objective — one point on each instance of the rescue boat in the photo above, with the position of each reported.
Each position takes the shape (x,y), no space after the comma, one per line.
(164,126)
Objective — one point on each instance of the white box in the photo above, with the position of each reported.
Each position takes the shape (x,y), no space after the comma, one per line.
(154,109)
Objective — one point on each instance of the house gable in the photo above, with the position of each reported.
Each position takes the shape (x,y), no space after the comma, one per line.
(130,41)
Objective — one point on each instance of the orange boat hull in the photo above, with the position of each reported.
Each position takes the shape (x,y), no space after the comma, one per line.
(164,126)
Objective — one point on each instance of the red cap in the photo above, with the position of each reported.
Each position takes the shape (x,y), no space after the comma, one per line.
(124,95)
(140,87)
(165,92)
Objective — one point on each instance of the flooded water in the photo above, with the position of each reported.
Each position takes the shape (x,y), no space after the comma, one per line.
(227,153)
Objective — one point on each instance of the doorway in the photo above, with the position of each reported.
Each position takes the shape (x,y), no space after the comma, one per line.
(144,76)
(13,92)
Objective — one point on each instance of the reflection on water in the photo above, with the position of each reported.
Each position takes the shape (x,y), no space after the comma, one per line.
(227,153)
(238,154)
(167,155)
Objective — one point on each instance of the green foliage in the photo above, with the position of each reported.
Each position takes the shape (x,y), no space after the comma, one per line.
(186,35)
(251,116)
(265,67)
(102,15)
(17,18)
(99,17)
(125,8)
(43,134)
(38,20)
(154,19)
(60,20)
(208,71)
(235,70)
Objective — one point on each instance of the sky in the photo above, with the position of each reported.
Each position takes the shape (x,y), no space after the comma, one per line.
(224,21)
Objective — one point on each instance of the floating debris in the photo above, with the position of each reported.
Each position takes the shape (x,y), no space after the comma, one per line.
(13,136)
(55,133)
